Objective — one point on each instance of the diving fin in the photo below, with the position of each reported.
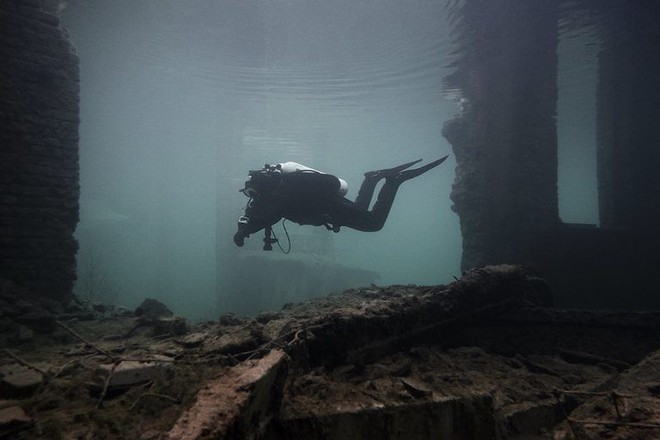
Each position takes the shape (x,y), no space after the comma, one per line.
(379,174)
(402,176)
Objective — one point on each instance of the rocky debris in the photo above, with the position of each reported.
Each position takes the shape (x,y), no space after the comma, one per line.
(230,319)
(151,435)
(13,419)
(19,307)
(416,388)
(193,340)
(466,385)
(474,359)
(385,323)
(151,310)
(127,373)
(235,340)
(628,408)
(155,315)
(240,404)
(168,325)
(25,316)
(17,381)
(90,311)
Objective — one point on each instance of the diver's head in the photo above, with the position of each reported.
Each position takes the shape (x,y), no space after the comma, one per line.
(261,181)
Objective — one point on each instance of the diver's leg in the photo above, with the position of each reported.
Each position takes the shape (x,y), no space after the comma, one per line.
(381,209)
(371,179)
(356,217)
(374,220)
(366,192)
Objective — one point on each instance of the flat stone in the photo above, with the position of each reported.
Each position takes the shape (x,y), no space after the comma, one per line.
(237,402)
(18,381)
(416,388)
(151,435)
(438,418)
(128,373)
(169,325)
(13,416)
(193,340)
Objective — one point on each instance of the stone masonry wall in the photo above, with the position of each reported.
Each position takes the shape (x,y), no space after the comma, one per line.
(628,129)
(39,92)
(505,140)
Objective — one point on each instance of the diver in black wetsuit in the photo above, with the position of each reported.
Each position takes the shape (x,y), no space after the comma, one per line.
(310,197)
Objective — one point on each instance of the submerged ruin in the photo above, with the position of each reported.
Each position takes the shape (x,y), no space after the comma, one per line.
(519,347)
(486,357)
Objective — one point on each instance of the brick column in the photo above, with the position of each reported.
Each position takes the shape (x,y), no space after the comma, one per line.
(39,91)
(505,140)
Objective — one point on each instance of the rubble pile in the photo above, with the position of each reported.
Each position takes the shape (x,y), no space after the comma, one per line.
(484,357)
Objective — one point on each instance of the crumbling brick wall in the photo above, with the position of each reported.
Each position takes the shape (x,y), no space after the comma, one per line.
(505,140)
(39,94)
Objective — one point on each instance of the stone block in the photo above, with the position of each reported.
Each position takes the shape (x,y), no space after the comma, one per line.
(18,381)
(12,418)
(239,404)
(128,373)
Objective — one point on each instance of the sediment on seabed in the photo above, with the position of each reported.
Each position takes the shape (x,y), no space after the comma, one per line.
(484,357)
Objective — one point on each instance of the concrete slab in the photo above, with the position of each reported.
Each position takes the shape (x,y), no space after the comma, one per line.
(239,404)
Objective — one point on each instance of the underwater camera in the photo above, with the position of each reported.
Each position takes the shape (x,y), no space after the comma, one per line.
(268,239)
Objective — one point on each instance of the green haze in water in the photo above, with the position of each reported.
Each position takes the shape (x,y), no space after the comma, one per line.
(180,99)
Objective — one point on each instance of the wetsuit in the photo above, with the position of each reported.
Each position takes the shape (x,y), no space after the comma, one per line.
(309,197)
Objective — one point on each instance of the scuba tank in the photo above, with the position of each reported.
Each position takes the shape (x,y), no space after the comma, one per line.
(292,167)
(257,179)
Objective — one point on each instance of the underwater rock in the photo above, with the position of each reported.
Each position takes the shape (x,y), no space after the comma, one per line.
(169,325)
(416,388)
(18,381)
(230,319)
(371,328)
(151,309)
(152,434)
(267,316)
(154,314)
(238,404)
(128,373)
(233,340)
(12,418)
(193,340)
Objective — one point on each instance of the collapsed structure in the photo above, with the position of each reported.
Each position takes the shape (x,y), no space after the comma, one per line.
(485,357)
(505,144)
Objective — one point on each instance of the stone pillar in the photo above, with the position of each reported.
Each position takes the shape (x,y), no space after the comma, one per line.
(505,140)
(628,100)
(39,90)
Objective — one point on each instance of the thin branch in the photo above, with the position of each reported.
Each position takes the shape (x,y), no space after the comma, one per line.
(100,350)
(106,385)
(25,363)
(147,387)
(589,393)
(616,423)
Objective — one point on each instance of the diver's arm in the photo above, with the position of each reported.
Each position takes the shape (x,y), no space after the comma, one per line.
(250,224)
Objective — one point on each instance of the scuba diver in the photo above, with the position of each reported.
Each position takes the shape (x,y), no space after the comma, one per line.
(309,197)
